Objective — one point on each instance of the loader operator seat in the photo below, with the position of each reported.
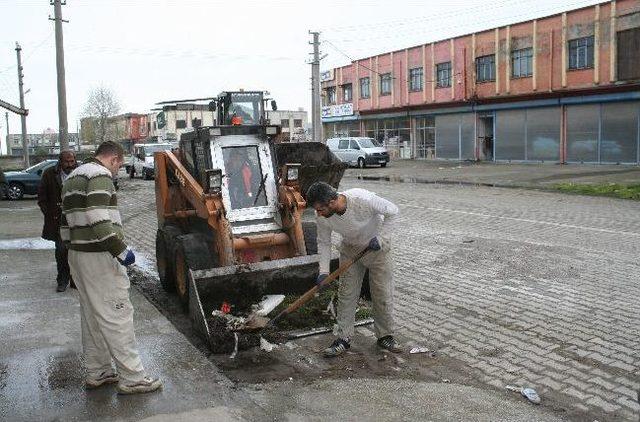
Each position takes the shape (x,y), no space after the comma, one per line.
(244,177)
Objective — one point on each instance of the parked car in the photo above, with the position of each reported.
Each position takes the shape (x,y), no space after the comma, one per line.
(142,159)
(360,152)
(26,182)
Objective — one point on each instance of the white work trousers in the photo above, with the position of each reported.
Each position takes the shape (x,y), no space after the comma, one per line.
(380,268)
(106,315)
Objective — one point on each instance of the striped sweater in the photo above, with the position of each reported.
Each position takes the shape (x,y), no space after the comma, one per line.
(90,217)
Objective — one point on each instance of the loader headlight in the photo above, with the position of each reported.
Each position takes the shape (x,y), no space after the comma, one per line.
(214,180)
(291,172)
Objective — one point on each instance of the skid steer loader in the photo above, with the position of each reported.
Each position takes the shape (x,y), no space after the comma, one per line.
(230,210)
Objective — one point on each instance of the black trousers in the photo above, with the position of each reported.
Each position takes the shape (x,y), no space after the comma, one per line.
(62,261)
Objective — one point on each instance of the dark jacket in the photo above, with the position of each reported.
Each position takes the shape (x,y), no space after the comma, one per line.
(50,202)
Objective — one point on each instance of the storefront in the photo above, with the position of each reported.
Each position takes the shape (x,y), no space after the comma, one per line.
(596,130)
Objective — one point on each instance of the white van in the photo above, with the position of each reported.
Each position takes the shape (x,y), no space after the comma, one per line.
(142,162)
(358,151)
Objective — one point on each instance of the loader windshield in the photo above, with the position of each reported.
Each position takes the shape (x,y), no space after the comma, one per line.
(246,106)
(244,177)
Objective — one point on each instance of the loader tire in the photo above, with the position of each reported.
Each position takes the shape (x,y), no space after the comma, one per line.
(165,256)
(193,252)
(310,231)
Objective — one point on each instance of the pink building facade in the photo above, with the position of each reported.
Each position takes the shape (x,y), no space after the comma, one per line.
(561,88)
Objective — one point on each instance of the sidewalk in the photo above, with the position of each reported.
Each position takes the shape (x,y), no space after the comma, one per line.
(499,175)
(41,371)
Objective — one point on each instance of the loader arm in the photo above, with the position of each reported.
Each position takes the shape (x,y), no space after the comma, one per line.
(206,206)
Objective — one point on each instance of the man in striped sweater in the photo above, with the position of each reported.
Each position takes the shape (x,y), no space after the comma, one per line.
(92,227)
(364,220)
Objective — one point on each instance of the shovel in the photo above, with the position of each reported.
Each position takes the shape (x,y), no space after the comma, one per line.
(256,322)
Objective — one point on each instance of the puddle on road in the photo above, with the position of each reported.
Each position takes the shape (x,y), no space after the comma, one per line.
(32,243)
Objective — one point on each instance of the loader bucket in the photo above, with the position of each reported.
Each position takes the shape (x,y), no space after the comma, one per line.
(243,285)
(318,164)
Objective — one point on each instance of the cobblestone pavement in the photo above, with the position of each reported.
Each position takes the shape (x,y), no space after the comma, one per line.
(525,287)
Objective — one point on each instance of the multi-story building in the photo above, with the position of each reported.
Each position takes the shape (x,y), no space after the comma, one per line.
(561,88)
(171,121)
(45,143)
(127,128)
(294,123)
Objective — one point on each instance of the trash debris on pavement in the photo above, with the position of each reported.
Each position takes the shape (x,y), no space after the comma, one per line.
(265,345)
(267,304)
(235,346)
(331,307)
(445,380)
(233,322)
(419,350)
(529,393)
(468,241)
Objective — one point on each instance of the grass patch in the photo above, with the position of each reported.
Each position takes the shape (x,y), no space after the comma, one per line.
(613,190)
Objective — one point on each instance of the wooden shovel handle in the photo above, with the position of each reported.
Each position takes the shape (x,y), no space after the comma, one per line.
(311,292)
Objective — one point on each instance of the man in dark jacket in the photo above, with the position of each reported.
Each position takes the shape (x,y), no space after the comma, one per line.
(50,204)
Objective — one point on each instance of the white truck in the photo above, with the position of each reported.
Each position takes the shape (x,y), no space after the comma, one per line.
(142,159)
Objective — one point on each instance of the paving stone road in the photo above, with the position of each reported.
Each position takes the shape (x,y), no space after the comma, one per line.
(525,287)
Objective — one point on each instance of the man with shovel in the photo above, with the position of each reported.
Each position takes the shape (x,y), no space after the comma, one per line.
(364,220)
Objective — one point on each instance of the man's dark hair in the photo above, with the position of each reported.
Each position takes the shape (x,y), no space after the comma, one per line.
(65,152)
(110,148)
(321,193)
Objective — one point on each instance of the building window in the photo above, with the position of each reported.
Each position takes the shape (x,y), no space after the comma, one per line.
(581,53)
(297,122)
(284,123)
(443,75)
(628,54)
(522,63)
(181,124)
(416,79)
(347,93)
(196,122)
(385,84)
(365,88)
(330,95)
(486,68)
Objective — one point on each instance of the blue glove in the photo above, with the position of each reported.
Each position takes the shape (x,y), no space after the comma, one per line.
(374,244)
(320,279)
(127,257)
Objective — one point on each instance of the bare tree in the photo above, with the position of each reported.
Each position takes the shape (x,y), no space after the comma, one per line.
(101,104)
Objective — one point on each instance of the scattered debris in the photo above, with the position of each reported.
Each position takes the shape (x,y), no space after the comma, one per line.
(445,380)
(324,330)
(266,346)
(468,241)
(529,393)
(330,307)
(382,358)
(267,304)
(235,347)
(419,350)
(233,322)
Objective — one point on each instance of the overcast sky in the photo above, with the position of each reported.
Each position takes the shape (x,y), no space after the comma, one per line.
(153,50)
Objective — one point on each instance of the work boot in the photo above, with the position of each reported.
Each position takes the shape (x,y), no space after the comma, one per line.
(72,284)
(147,385)
(107,377)
(337,348)
(61,287)
(390,344)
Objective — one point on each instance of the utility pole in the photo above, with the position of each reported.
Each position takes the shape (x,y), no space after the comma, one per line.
(316,121)
(63,130)
(23,118)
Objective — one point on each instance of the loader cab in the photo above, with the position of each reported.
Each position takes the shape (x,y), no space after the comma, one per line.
(241,108)
(248,190)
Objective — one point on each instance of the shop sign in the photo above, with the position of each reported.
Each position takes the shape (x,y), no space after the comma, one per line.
(338,110)
(326,75)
